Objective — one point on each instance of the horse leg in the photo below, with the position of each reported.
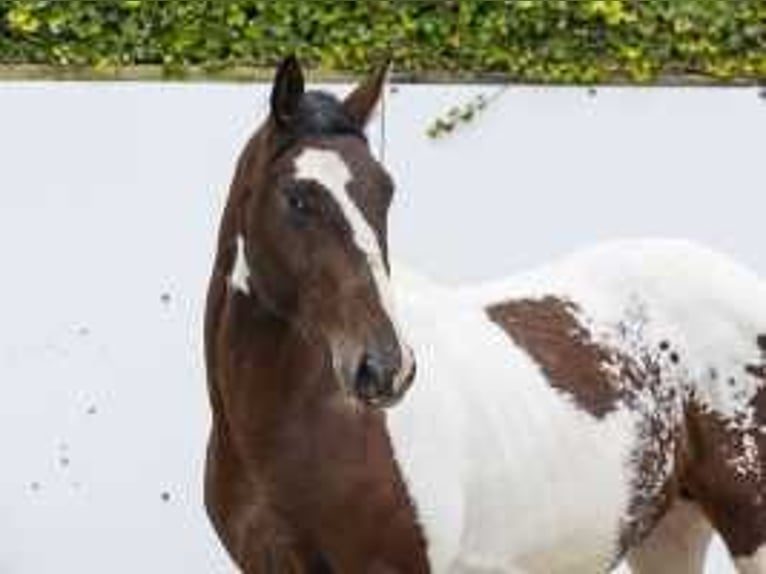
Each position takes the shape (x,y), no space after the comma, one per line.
(727,477)
(739,516)
(677,545)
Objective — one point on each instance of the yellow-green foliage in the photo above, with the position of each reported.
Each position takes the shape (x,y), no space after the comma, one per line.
(580,41)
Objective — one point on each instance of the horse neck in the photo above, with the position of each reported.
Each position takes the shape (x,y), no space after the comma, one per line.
(256,361)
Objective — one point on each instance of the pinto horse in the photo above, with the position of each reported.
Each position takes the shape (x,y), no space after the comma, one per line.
(364,420)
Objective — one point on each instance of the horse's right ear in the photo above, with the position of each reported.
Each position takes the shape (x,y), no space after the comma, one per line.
(361,102)
(287,91)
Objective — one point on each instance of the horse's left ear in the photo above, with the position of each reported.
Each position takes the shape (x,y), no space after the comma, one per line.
(360,103)
(287,91)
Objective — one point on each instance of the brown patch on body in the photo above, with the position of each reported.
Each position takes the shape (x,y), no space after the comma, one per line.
(548,330)
(726,473)
(718,478)
(602,378)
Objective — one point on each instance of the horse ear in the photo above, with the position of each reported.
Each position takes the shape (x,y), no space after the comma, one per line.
(360,103)
(287,90)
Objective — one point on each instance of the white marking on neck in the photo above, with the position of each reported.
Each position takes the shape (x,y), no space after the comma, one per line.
(328,168)
(240,272)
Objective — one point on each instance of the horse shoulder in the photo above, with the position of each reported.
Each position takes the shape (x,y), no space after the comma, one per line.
(485,425)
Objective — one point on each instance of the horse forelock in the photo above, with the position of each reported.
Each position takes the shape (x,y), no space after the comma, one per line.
(319,115)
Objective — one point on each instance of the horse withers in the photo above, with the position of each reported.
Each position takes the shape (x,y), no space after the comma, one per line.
(364,420)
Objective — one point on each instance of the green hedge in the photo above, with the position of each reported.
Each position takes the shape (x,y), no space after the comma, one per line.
(581,41)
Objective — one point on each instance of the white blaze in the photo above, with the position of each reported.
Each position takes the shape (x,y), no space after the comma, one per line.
(328,168)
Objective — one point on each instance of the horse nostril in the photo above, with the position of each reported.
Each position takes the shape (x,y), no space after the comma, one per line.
(372,379)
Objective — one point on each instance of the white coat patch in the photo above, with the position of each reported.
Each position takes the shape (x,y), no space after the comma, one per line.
(240,272)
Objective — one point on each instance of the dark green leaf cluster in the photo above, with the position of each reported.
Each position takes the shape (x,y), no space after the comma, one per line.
(573,41)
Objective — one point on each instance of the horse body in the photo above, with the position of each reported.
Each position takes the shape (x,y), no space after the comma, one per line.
(514,465)
(608,405)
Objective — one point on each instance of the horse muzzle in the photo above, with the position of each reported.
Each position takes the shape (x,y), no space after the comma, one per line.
(381,379)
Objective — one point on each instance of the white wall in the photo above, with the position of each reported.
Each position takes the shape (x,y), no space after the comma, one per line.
(109,201)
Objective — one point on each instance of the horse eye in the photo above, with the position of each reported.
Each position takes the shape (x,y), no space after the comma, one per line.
(298,200)
(297,203)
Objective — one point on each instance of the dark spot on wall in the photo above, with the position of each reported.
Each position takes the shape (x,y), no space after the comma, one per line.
(34,486)
(64,461)
(664,345)
(165,496)
(83,331)
(712,373)
(592,91)
(674,358)
(732,382)
(761,342)
(91,410)
(165,298)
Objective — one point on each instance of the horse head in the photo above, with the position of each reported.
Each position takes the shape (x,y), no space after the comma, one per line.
(311,233)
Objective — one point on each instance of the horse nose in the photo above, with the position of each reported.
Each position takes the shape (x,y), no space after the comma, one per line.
(374,378)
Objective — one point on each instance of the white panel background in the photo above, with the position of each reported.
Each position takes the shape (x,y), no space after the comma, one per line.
(109,198)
